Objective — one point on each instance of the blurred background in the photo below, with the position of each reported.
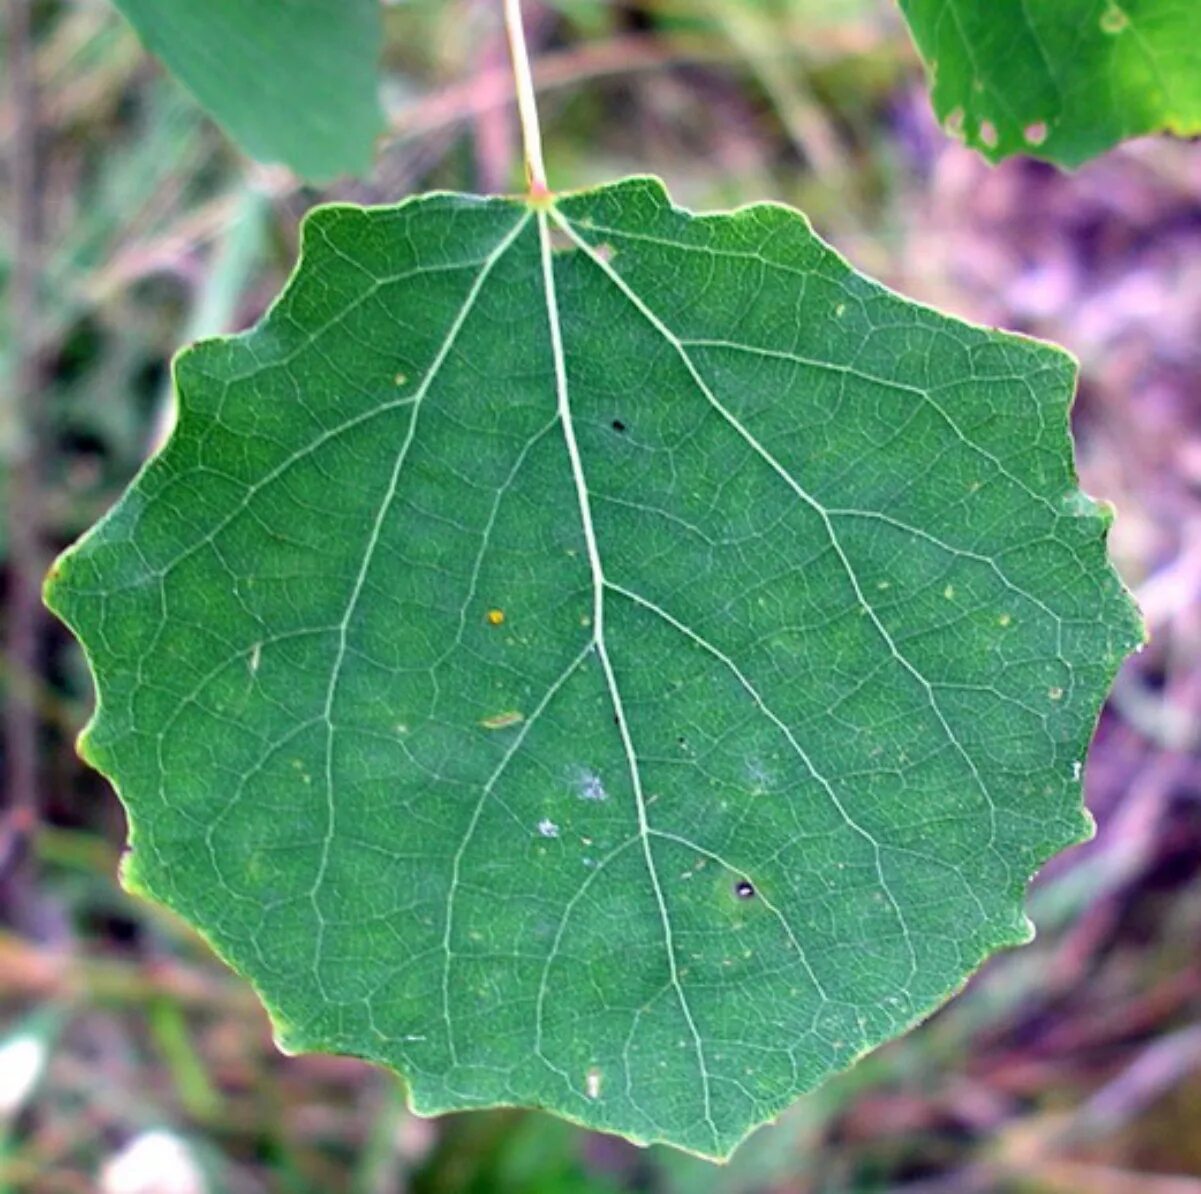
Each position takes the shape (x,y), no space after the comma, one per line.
(131,1061)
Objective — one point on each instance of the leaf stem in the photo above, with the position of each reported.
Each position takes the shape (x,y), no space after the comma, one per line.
(531,132)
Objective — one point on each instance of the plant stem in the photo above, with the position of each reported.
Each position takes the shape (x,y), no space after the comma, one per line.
(535,167)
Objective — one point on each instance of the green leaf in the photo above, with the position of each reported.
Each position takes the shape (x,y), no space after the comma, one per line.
(1062,80)
(598,658)
(292,82)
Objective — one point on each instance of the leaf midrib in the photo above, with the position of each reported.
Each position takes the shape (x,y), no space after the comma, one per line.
(601,647)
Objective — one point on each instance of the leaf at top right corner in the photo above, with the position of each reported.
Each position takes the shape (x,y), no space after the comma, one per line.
(1062,80)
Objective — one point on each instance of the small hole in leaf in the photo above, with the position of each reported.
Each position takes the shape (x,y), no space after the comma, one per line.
(618,425)
(744,889)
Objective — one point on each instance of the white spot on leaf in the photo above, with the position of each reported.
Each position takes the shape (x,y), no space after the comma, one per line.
(590,786)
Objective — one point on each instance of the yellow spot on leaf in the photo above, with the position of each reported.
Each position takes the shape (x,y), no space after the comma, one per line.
(501,721)
(1114,19)
(496,617)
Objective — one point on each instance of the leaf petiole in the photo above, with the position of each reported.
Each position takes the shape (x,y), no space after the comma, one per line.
(531,133)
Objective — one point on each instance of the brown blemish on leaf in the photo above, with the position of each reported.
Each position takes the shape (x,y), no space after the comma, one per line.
(502,721)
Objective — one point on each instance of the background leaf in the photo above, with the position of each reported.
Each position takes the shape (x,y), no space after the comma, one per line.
(601,658)
(292,82)
(1060,79)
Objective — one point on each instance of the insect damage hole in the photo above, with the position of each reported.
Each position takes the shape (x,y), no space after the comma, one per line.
(744,889)
(592,1083)
(618,425)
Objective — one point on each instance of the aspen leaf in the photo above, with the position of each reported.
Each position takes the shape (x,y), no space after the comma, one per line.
(588,656)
